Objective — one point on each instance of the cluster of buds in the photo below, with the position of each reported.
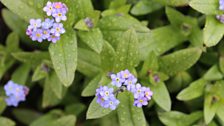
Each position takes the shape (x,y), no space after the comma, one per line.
(124,81)
(15,93)
(49,29)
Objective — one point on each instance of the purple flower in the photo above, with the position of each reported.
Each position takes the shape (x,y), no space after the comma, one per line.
(34,24)
(156,78)
(220,18)
(28,32)
(53,38)
(130,83)
(37,35)
(138,91)
(88,22)
(117,80)
(60,6)
(57,29)
(148,93)
(125,74)
(59,15)
(139,102)
(221,4)
(111,103)
(105,92)
(48,23)
(16,93)
(45,34)
(49,8)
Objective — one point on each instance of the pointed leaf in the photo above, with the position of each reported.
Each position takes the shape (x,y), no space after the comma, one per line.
(179,60)
(127,51)
(68,120)
(56,85)
(195,90)
(128,114)
(208,7)
(12,42)
(6,122)
(40,72)
(96,111)
(213,74)
(21,74)
(64,57)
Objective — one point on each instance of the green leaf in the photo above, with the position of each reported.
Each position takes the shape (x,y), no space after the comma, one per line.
(64,57)
(150,64)
(161,96)
(127,51)
(221,64)
(93,38)
(83,9)
(195,90)
(21,74)
(25,9)
(209,7)
(12,42)
(160,40)
(173,2)
(75,109)
(56,85)
(179,61)
(6,122)
(210,108)
(49,97)
(96,111)
(2,105)
(4,68)
(90,89)
(128,114)
(175,118)
(68,120)
(117,3)
(40,72)
(81,25)
(88,62)
(220,112)
(25,116)
(33,58)
(144,7)
(213,31)
(213,74)
(107,57)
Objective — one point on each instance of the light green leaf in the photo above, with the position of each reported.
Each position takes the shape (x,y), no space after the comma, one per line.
(25,9)
(210,108)
(68,120)
(213,31)
(93,38)
(88,62)
(175,118)
(145,7)
(213,74)
(107,57)
(128,114)
(81,25)
(56,85)
(90,89)
(127,51)
(25,116)
(64,57)
(220,112)
(6,122)
(208,7)
(195,90)
(179,61)
(173,2)
(2,105)
(160,40)
(40,72)
(96,111)
(221,64)
(117,3)
(33,58)
(161,96)
(21,74)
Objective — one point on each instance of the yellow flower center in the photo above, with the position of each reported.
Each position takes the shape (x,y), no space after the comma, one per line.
(106,93)
(38,34)
(141,100)
(57,29)
(59,14)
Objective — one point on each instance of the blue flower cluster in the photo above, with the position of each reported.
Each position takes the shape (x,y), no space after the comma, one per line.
(221,7)
(123,80)
(49,29)
(15,93)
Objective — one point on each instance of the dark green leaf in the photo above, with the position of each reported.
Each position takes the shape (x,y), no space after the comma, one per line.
(75,109)
(12,42)
(21,74)
(56,85)
(221,64)
(2,105)
(68,120)
(64,57)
